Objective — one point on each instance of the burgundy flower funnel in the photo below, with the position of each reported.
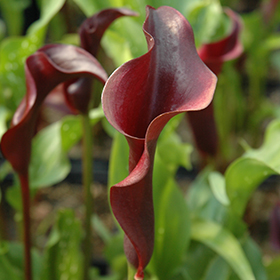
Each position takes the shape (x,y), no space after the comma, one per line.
(139,99)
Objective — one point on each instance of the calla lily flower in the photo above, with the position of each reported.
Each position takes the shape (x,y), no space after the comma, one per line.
(214,55)
(139,98)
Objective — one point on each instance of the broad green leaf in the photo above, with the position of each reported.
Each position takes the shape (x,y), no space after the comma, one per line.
(117,47)
(199,193)
(218,270)
(205,205)
(13,197)
(246,173)
(12,259)
(218,186)
(198,259)
(63,258)
(172,223)
(224,244)
(118,163)
(49,163)
(71,132)
(125,35)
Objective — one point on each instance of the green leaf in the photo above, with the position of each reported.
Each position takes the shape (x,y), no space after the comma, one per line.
(172,223)
(199,193)
(71,132)
(205,205)
(49,163)
(13,196)
(124,40)
(12,259)
(224,244)
(218,186)
(246,173)
(254,256)
(117,47)
(218,270)
(198,259)
(63,258)
(101,229)
(206,17)
(171,149)
(175,153)
(71,128)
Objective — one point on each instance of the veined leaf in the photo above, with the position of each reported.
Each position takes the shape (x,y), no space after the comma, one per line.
(246,173)
(218,185)
(11,261)
(224,244)
(49,163)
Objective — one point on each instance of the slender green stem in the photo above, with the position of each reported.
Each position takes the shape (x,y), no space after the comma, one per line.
(26,226)
(130,271)
(88,198)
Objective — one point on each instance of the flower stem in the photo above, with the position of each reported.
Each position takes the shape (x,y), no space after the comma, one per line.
(26,226)
(88,198)
(130,271)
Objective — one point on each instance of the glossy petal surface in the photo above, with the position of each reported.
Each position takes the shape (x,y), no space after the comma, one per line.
(139,99)
(44,70)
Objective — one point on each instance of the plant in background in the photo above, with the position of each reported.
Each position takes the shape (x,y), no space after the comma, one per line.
(214,55)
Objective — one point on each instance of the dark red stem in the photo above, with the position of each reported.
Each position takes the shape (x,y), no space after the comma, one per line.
(26,226)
